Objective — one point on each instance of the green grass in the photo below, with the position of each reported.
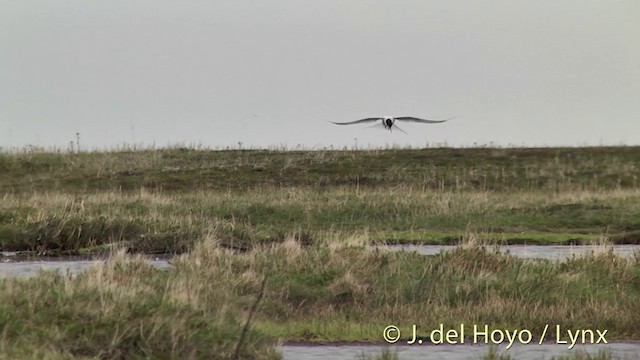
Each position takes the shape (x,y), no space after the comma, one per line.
(306,218)
(171,223)
(328,291)
(123,309)
(443,169)
(162,201)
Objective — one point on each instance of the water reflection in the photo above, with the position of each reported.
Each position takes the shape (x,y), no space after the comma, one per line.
(10,266)
(550,252)
(455,352)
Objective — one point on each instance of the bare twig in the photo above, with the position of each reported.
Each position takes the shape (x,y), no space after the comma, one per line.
(236,353)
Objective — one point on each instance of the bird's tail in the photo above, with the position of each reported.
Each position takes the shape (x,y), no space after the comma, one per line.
(398,127)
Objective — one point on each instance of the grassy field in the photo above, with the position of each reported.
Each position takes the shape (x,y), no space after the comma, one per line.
(442,169)
(304,221)
(164,201)
(329,291)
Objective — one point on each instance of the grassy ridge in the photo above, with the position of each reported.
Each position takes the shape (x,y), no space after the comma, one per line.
(163,201)
(187,170)
(158,222)
(164,222)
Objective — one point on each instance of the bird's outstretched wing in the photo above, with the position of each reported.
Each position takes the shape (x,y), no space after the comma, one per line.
(357,121)
(426,121)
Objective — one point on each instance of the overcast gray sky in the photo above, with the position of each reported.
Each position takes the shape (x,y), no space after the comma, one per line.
(272,73)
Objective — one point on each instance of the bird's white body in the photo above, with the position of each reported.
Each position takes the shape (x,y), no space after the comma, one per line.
(388,122)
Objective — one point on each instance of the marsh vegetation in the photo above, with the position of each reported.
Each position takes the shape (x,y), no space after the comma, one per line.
(329,291)
(306,219)
(165,201)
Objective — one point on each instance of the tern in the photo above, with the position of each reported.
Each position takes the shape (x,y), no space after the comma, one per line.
(388,122)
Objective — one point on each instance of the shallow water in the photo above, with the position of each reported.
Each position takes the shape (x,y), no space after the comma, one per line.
(550,252)
(11,266)
(456,352)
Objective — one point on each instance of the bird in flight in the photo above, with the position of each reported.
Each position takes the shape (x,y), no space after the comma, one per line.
(388,122)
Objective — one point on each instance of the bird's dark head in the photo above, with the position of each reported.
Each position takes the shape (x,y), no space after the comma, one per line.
(388,122)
